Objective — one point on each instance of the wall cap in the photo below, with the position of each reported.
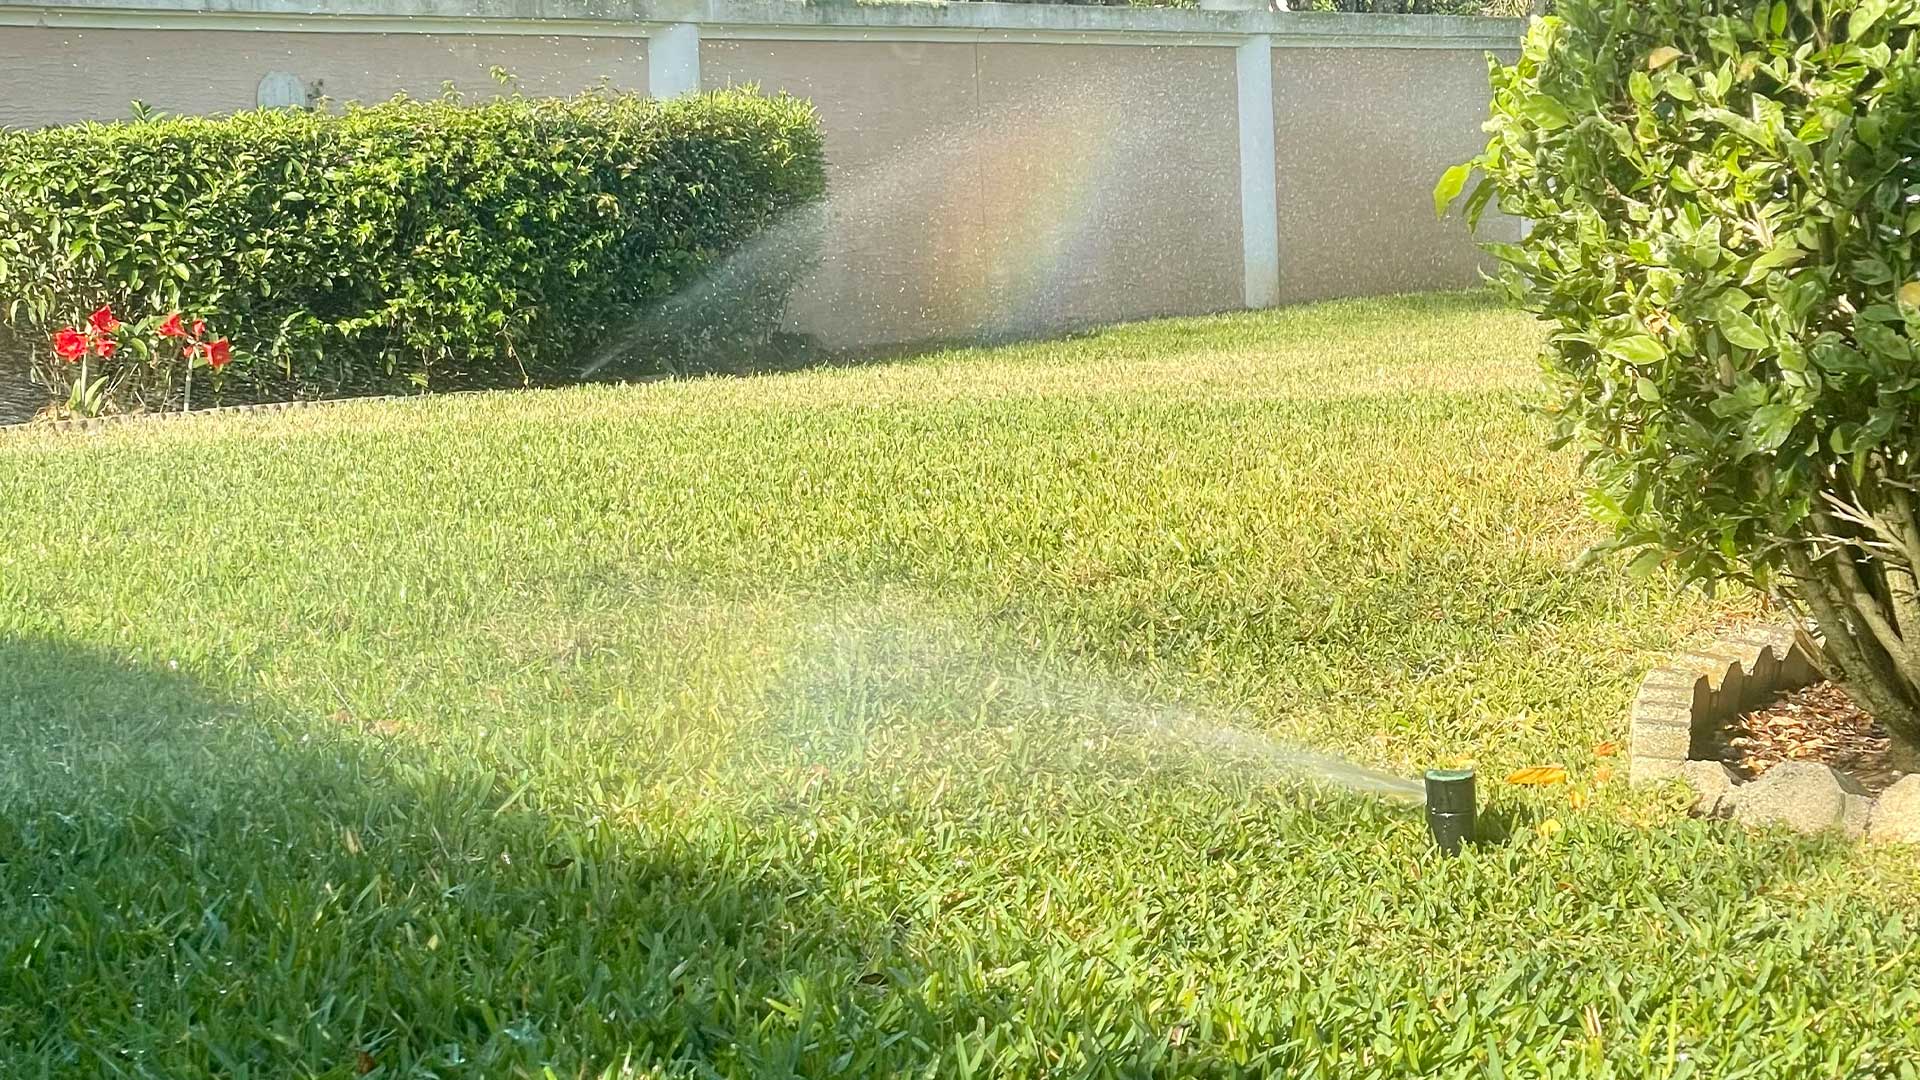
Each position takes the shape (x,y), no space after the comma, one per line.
(768,18)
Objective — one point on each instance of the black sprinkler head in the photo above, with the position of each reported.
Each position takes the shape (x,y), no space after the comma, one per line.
(1450,808)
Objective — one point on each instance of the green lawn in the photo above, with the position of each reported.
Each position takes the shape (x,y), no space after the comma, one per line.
(922,718)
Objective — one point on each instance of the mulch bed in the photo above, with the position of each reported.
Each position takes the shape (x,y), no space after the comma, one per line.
(1819,723)
(19,398)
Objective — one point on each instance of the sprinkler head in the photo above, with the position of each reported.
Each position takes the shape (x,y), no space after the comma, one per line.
(1450,808)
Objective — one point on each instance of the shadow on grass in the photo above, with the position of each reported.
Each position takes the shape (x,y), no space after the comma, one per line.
(193,885)
(1500,820)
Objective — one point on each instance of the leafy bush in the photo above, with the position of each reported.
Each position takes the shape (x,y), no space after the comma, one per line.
(410,244)
(1724,201)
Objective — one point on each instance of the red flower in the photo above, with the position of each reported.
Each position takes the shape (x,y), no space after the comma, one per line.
(103,320)
(199,328)
(172,327)
(70,344)
(104,347)
(218,354)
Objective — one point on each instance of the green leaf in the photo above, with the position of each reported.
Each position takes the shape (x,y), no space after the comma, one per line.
(1864,17)
(1546,113)
(1646,389)
(1646,564)
(1452,183)
(1872,269)
(1733,300)
(1636,349)
(1771,424)
(1739,328)
(1640,87)
(1783,255)
(1483,193)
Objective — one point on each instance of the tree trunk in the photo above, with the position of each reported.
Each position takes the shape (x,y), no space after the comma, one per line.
(1870,618)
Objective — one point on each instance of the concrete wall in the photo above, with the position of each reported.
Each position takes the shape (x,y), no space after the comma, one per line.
(989,189)
(1362,135)
(53,75)
(993,168)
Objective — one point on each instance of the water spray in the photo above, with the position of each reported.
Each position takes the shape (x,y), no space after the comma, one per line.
(1450,808)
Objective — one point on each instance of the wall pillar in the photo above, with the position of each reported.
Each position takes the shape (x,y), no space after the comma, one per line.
(673,60)
(1259,196)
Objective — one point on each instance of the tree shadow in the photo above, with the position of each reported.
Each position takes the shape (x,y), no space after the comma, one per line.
(192,884)
(1503,818)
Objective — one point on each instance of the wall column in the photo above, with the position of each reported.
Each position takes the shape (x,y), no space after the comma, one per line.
(1259,197)
(673,60)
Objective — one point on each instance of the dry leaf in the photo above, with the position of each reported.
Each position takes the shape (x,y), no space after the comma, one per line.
(342,716)
(1909,294)
(351,840)
(1538,776)
(1606,749)
(1603,774)
(1577,797)
(363,1063)
(1549,827)
(1461,762)
(1662,56)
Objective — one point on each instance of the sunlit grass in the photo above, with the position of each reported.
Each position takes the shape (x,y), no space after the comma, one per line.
(923,717)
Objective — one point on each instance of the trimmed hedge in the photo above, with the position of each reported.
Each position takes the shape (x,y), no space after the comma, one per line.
(405,245)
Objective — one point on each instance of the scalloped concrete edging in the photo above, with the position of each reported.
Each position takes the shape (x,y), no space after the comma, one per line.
(96,423)
(1682,702)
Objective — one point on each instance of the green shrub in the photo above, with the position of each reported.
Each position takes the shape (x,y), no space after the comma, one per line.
(411,244)
(1724,201)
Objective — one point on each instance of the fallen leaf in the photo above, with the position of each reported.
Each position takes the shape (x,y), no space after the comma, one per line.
(1538,776)
(1461,762)
(1549,827)
(1662,56)
(1603,774)
(351,840)
(342,716)
(1577,797)
(363,1063)
(1606,749)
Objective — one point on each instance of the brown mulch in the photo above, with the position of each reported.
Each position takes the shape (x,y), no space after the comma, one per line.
(1819,723)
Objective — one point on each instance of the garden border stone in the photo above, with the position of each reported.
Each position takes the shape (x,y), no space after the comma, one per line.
(1684,704)
(1681,703)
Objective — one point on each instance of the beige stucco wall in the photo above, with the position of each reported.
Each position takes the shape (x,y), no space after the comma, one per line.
(1360,137)
(50,76)
(1010,188)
